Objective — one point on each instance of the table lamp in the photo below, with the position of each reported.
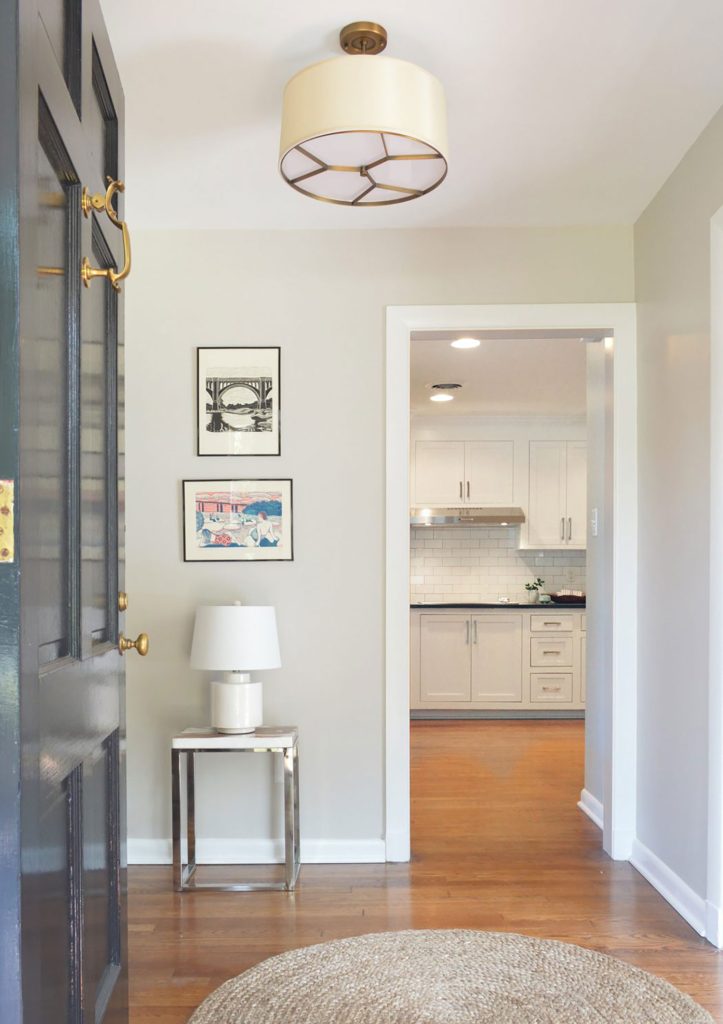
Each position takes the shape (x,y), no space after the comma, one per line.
(235,639)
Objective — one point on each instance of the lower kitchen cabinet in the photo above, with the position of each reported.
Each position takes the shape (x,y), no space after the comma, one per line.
(496,646)
(444,658)
(497,659)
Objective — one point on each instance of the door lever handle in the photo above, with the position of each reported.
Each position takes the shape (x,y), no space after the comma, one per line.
(99,202)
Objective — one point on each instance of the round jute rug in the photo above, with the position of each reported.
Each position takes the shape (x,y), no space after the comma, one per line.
(447,977)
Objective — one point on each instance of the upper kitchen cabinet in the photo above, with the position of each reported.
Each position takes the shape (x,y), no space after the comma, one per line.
(557,514)
(452,473)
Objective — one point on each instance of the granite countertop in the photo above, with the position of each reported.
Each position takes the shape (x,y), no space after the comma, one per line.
(501,605)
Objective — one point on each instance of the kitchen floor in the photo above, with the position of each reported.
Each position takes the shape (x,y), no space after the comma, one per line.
(498,844)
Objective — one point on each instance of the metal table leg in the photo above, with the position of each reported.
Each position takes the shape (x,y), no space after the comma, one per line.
(176,819)
(291,816)
(191,811)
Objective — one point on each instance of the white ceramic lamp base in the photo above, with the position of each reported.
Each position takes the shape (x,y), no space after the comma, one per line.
(236,704)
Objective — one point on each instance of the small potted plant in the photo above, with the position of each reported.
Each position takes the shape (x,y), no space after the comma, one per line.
(533,589)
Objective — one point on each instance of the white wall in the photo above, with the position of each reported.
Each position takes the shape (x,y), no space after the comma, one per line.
(321,296)
(672,267)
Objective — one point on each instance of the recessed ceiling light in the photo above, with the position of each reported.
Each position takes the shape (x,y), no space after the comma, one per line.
(441,398)
(465,343)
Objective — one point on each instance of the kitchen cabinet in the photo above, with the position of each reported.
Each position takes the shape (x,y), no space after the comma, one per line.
(497,659)
(557,511)
(445,667)
(456,473)
(470,657)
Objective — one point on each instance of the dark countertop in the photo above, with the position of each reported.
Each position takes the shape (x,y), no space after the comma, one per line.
(498,606)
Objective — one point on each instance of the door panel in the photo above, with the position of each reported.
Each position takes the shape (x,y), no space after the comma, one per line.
(72,948)
(439,473)
(577,493)
(497,658)
(444,657)
(547,509)
(490,472)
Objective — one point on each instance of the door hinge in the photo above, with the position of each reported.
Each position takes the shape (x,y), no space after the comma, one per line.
(7,520)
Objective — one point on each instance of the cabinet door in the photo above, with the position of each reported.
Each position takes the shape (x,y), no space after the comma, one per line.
(439,473)
(489,472)
(583,668)
(444,657)
(497,658)
(547,522)
(576,498)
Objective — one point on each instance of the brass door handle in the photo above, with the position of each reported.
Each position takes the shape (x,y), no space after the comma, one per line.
(98,201)
(140,644)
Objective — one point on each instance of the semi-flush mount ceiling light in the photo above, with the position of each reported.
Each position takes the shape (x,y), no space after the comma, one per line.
(465,343)
(363,130)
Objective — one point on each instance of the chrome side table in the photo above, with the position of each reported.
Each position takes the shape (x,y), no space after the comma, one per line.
(185,746)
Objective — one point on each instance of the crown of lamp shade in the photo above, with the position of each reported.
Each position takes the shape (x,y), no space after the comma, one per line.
(364,131)
(235,638)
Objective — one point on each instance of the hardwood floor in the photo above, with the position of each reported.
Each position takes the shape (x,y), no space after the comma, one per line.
(498,844)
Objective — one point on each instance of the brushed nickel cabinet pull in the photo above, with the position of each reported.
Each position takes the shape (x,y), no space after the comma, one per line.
(569,528)
(461,492)
(562,528)
(467,637)
(468,490)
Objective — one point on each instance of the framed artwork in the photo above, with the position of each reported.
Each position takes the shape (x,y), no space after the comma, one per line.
(237,398)
(237,521)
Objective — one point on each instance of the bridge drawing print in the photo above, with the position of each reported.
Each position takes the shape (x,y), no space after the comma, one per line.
(238,401)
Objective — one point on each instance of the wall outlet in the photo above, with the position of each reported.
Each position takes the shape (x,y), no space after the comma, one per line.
(594,519)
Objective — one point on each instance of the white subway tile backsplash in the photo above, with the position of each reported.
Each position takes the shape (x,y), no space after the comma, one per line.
(484,563)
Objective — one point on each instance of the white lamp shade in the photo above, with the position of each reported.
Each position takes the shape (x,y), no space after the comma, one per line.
(235,638)
(364,131)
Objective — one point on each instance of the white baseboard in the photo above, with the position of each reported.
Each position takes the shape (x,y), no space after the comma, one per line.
(714,925)
(678,893)
(262,851)
(591,806)
(397,847)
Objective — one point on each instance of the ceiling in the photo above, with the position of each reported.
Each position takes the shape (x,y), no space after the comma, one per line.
(508,376)
(560,112)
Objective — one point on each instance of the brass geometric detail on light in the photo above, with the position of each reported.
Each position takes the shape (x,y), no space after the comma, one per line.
(381,178)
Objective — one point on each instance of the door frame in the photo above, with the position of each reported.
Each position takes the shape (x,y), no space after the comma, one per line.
(620,704)
(714,886)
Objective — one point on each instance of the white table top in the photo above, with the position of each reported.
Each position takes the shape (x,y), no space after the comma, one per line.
(264,738)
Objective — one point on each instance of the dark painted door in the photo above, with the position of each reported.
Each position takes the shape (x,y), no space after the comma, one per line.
(62,813)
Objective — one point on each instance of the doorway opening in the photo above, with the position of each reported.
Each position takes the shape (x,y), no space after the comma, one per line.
(608,793)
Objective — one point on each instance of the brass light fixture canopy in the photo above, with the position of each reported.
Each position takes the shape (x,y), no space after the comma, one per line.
(363,37)
(364,132)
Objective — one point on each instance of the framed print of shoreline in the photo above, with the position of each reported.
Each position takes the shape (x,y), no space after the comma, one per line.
(237,399)
(237,521)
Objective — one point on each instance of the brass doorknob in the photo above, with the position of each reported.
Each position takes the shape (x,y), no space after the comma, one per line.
(140,644)
(122,601)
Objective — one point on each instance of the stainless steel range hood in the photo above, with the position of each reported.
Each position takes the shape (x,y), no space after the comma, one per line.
(482,516)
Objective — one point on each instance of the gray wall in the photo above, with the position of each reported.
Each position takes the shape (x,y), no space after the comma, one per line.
(321,296)
(672,269)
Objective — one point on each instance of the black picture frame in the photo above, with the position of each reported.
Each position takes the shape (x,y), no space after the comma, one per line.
(239,441)
(236,522)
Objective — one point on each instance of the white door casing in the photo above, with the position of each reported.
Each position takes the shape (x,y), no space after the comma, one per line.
(618,725)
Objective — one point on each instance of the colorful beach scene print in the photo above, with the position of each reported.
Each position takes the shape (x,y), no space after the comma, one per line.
(237,520)
(238,401)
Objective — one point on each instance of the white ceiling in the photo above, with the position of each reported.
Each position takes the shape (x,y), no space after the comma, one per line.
(503,377)
(560,112)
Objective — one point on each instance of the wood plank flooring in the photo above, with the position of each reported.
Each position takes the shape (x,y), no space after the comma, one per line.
(498,844)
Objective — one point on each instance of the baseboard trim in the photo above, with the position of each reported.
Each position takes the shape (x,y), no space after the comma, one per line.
(591,806)
(691,907)
(262,851)
(714,925)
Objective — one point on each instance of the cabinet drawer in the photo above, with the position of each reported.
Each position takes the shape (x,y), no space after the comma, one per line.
(551,623)
(544,686)
(549,651)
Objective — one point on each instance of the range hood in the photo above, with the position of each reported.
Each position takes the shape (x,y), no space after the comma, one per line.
(468,516)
